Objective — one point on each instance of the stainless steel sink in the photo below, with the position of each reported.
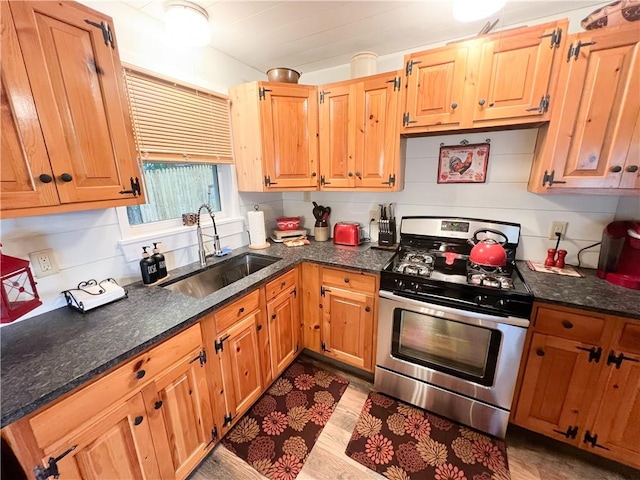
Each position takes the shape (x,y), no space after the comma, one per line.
(205,282)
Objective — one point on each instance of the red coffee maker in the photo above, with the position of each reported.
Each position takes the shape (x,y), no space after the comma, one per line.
(619,261)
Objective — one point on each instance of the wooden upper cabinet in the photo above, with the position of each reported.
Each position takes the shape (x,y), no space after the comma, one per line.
(275,128)
(499,80)
(435,86)
(591,142)
(76,84)
(359,139)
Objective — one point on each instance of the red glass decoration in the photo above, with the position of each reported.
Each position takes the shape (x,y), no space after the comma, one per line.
(19,294)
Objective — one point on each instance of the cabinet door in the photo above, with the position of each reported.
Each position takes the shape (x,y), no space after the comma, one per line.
(77,85)
(348,327)
(284,329)
(552,398)
(435,87)
(377,139)
(289,116)
(118,445)
(180,416)
(240,364)
(590,134)
(615,419)
(337,136)
(514,74)
(23,151)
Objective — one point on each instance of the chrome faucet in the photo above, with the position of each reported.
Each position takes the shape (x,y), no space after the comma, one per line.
(216,239)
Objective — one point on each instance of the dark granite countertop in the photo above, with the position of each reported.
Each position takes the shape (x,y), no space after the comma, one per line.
(588,292)
(48,355)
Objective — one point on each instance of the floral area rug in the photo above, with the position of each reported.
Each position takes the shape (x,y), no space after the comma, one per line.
(402,442)
(276,435)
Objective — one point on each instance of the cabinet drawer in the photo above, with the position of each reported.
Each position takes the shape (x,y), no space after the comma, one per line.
(572,326)
(349,280)
(236,310)
(282,283)
(93,400)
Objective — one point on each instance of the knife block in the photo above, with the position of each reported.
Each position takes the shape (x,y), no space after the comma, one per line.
(387,232)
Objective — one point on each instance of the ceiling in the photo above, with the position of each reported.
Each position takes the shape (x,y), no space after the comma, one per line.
(314,35)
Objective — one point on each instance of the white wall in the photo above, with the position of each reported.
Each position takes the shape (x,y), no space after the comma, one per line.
(85,244)
(503,197)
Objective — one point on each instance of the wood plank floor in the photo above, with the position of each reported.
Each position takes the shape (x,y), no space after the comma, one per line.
(531,456)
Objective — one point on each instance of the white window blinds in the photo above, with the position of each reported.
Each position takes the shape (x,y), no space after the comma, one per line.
(173,122)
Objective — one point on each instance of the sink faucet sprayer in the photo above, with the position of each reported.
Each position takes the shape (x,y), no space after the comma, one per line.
(218,252)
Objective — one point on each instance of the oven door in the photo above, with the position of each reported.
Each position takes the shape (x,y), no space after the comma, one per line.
(472,354)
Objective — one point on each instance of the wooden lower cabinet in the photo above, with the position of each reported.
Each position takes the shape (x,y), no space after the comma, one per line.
(284,329)
(583,393)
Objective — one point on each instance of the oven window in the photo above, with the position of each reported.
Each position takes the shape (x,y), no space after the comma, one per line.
(464,351)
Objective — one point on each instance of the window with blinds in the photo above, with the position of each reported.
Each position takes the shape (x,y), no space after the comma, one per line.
(181,133)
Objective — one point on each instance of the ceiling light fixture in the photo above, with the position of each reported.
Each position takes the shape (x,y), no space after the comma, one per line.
(187,23)
(470,10)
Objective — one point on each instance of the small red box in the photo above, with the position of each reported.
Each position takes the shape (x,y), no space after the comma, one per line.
(288,223)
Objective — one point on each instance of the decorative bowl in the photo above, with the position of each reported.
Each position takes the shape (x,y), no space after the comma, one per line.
(288,223)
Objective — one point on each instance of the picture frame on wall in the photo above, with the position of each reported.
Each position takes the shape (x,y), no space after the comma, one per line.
(464,163)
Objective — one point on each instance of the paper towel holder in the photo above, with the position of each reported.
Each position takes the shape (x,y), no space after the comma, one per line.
(265,244)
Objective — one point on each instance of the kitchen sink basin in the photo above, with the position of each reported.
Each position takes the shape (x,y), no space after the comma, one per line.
(204,282)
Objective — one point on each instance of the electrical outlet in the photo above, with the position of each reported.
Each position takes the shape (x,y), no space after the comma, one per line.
(306,197)
(558,227)
(374,215)
(43,263)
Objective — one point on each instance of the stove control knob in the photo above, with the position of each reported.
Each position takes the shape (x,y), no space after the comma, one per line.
(400,284)
(501,303)
(478,299)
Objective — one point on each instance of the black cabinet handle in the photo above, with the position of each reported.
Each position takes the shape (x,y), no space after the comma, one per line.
(567,324)
(632,168)
(65,177)
(346,280)
(273,317)
(158,404)
(359,175)
(240,310)
(481,102)
(138,420)
(259,327)
(616,169)
(367,309)
(454,106)
(44,178)
(350,174)
(314,174)
(140,374)
(283,284)
(540,352)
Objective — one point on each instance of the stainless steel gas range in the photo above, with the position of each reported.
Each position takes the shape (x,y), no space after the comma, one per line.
(451,332)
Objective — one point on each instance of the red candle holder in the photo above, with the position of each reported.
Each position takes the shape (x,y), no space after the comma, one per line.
(19,294)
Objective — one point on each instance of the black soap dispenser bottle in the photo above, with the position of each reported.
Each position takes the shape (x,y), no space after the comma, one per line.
(160,261)
(148,268)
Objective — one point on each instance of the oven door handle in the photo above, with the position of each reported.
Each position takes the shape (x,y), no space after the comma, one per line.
(518,322)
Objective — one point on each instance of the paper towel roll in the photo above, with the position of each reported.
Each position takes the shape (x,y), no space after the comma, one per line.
(257,231)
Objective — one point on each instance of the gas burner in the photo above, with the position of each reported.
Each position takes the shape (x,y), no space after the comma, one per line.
(416,257)
(420,270)
(489,280)
(476,268)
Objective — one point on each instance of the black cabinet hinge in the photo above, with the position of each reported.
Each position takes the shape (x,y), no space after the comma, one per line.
(297,346)
(548,178)
(323,291)
(592,440)
(392,180)
(268,182)
(107,33)
(323,181)
(406,121)
(42,473)
(228,418)
(594,353)
(617,360)
(214,436)
(396,83)
(572,432)
(556,37)
(218,345)
(262,93)
(295,293)
(409,67)
(324,348)
(322,95)
(574,50)
(135,188)
(543,106)
(202,356)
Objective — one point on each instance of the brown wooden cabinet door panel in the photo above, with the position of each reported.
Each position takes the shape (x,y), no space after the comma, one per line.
(376,131)
(23,152)
(289,121)
(284,329)
(80,99)
(600,106)
(337,136)
(435,87)
(180,416)
(513,75)
(552,396)
(311,280)
(348,327)
(631,168)
(118,445)
(240,365)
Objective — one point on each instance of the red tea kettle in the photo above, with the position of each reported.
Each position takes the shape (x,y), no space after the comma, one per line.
(488,252)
